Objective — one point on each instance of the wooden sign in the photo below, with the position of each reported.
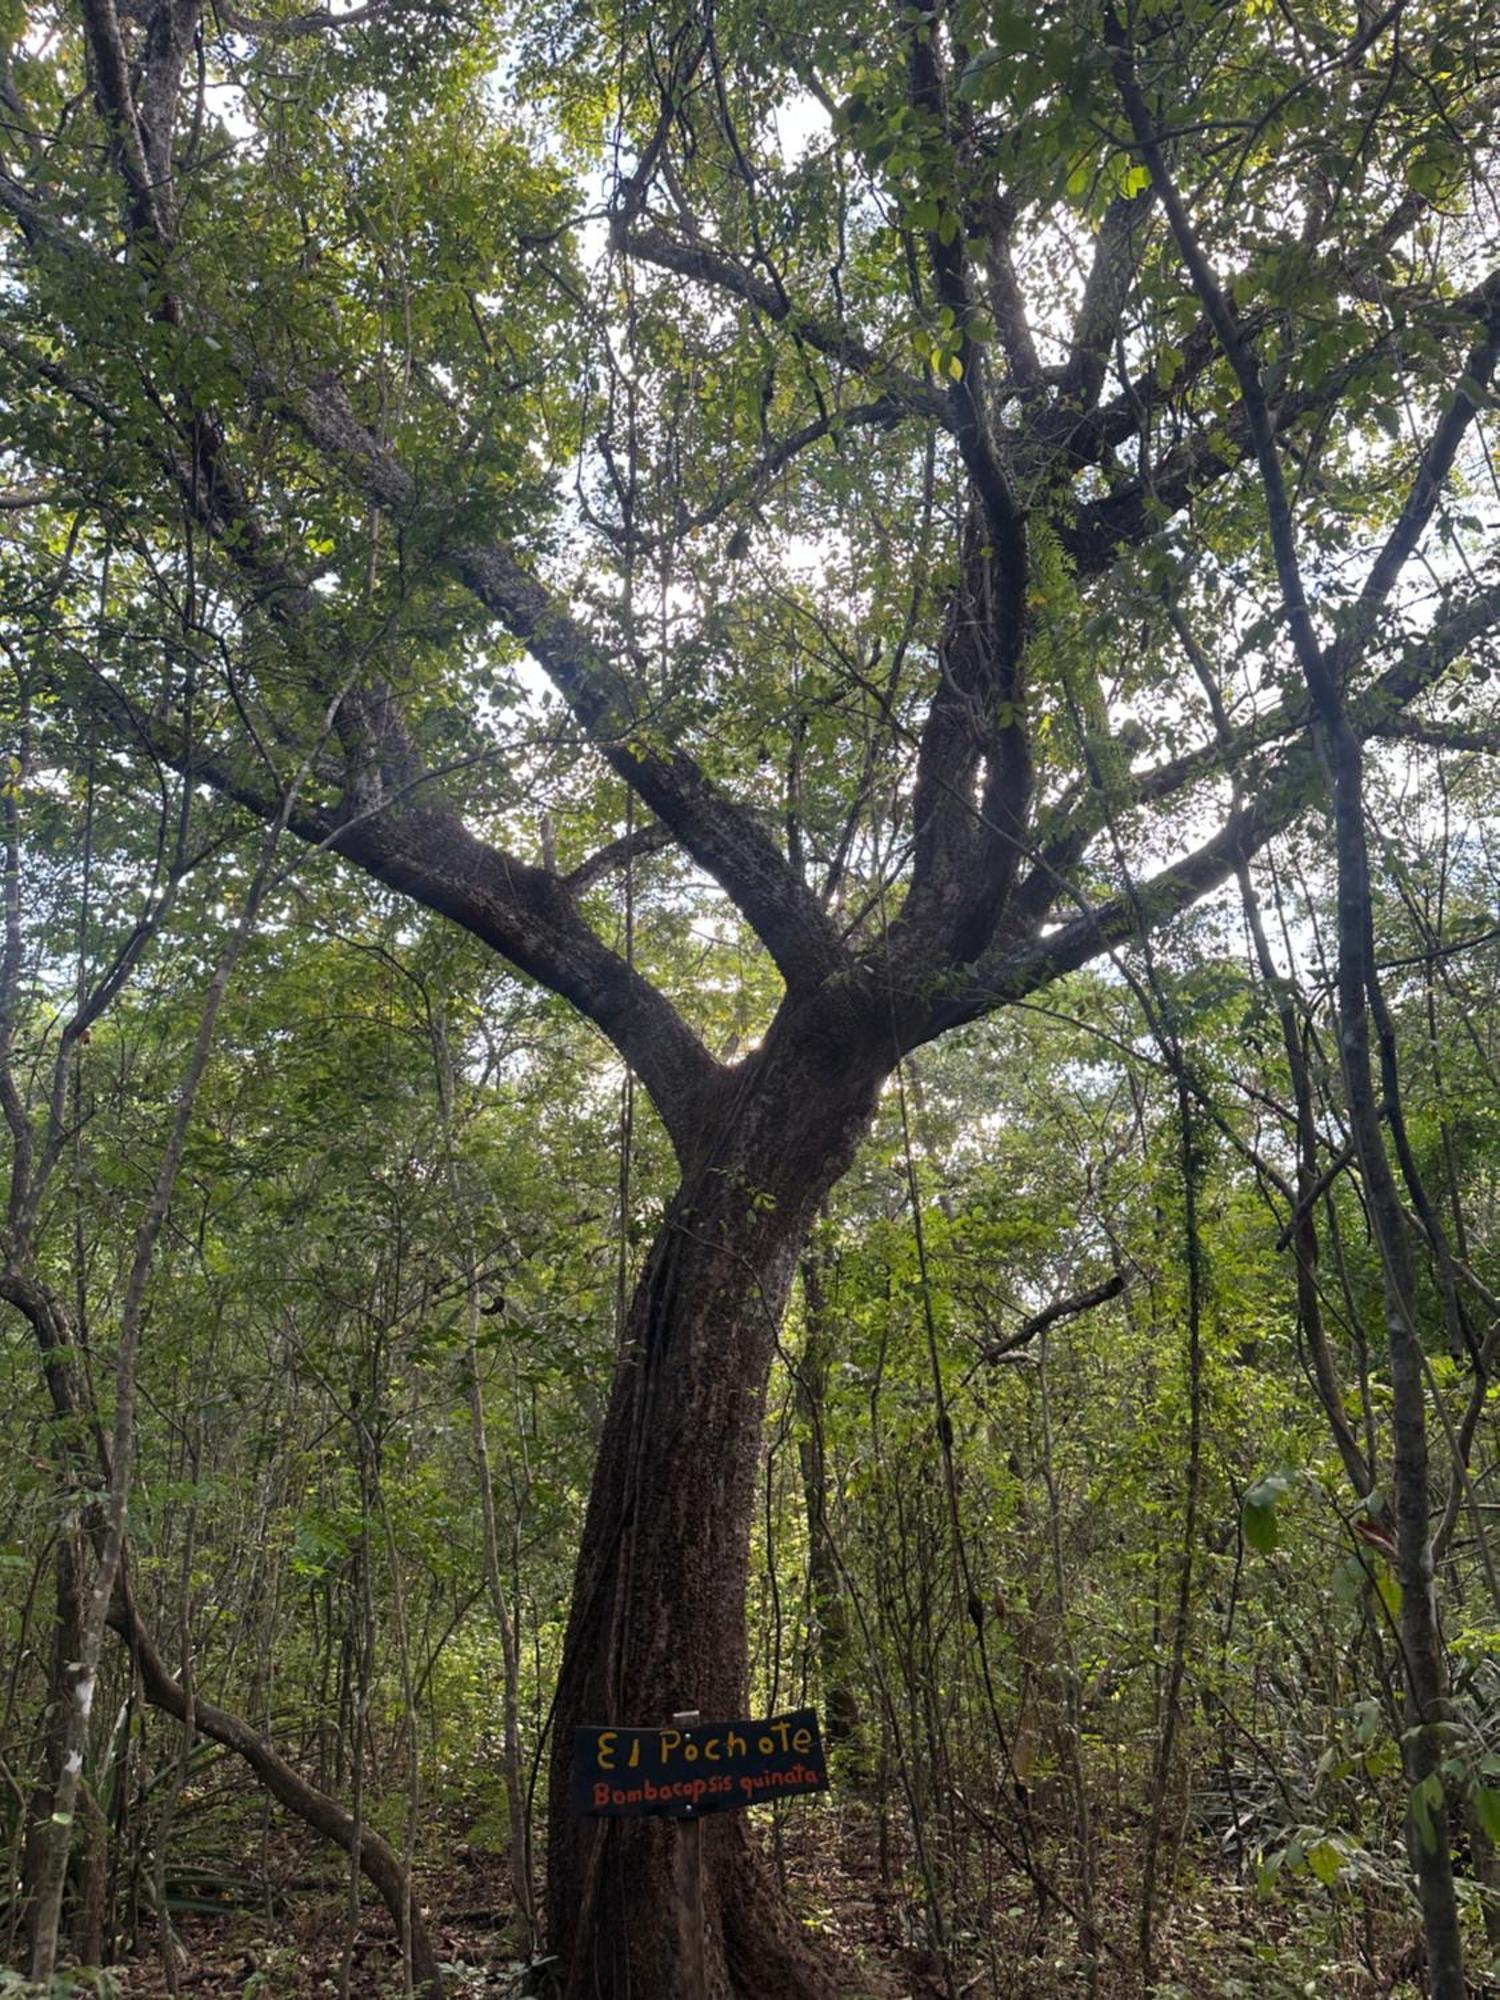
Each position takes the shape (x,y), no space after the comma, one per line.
(697,1768)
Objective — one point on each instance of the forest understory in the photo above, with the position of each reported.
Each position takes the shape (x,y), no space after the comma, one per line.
(284,1929)
(750,961)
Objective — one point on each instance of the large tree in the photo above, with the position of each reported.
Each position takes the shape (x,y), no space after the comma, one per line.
(973,478)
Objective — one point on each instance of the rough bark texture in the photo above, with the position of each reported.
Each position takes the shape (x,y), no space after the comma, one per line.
(658,1622)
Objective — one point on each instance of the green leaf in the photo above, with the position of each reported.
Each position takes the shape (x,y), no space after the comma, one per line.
(1426,1797)
(1261,1531)
(1349,1581)
(1382,1760)
(1487,1812)
(1326,1862)
(982,80)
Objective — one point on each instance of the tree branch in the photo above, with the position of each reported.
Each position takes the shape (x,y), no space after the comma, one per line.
(1060,1309)
(1010,975)
(707,266)
(1431,476)
(1116,256)
(415,841)
(629,847)
(721,836)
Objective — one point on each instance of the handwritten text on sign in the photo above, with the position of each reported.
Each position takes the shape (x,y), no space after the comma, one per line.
(708,1767)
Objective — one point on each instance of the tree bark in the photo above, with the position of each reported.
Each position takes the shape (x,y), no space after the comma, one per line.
(1423,1651)
(66,1635)
(830,1607)
(658,1622)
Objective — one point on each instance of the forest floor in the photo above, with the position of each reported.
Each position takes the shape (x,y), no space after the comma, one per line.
(1222,1943)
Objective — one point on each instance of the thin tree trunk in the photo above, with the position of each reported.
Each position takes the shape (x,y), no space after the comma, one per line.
(110,1546)
(1304,1225)
(325,1815)
(67,1637)
(93,1886)
(518,1831)
(1428,1827)
(830,1608)
(1325,671)
(379,1860)
(1182,1620)
(1068,1660)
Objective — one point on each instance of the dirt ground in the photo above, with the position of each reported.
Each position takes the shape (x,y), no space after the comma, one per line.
(1222,1942)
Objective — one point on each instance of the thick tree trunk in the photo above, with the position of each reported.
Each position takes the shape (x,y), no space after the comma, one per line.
(658,1618)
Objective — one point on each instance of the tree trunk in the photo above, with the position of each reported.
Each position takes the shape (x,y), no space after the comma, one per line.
(65,1647)
(830,1608)
(1428,1710)
(91,1918)
(658,1618)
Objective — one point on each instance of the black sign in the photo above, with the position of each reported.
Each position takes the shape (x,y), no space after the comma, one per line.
(699,1768)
